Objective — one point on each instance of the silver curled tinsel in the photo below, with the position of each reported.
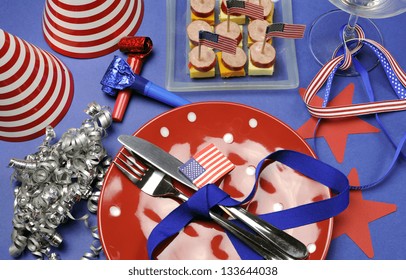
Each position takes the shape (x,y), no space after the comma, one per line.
(52,180)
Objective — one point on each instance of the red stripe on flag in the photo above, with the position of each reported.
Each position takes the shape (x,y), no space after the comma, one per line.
(214,162)
(224,44)
(251,10)
(292,31)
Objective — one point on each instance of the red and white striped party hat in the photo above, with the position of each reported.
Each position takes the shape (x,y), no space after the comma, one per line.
(36,89)
(88,28)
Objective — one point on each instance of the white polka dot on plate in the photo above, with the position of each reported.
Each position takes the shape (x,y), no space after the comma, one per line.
(253,123)
(164,131)
(250,170)
(311,248)
(228,138)
(115,211)
(277,207)
(191,117)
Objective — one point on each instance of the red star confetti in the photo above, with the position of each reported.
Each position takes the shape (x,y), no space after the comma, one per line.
(336,131)
(354,221)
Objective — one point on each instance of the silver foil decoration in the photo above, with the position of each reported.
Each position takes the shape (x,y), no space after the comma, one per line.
(51,181)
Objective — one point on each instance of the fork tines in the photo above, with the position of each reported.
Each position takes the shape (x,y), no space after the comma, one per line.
(131,167)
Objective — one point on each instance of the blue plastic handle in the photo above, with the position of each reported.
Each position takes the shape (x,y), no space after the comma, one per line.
(147,88)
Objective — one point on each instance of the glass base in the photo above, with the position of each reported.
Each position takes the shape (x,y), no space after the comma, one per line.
(324,38)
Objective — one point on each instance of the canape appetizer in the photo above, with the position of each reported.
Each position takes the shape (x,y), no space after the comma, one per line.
(233,31)
(268,8)
(261,59)
(193,29)
(239,19)
(203,10)
(256,31)
(232,65)
(202,62)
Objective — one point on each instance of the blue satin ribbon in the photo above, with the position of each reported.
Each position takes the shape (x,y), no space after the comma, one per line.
(367,84)
(210,196)
(397,87)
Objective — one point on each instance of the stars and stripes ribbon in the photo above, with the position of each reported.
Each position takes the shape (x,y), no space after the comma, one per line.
(238,7)
(397,78)
(206,166)
(343,59)
(217,41)
(347,62)
(285,30)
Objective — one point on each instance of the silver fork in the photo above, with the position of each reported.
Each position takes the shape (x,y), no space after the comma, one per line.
(158,184)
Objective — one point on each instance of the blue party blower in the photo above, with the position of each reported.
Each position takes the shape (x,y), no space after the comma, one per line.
(119,76)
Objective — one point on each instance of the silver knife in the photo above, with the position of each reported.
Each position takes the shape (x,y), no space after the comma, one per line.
(162,160)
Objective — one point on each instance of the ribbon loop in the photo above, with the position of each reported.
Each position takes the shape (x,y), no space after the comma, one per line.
(203,200)
(395,73)
(342,59)
(198,206)
(345,47)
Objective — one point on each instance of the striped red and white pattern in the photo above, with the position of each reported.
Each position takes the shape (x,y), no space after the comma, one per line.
(207,166)
(36,89)
(347,52)
(285,30)
(245,8)
(352,110)
(88,28)
(218,42)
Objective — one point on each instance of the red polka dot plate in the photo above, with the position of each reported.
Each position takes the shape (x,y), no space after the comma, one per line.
(245,135)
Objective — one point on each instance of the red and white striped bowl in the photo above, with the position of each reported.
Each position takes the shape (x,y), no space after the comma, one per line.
(36,89)
(89,28)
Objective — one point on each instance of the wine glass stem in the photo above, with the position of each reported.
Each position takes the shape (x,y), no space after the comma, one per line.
(349,32)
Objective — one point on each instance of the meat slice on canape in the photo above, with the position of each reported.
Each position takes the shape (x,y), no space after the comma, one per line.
(203,10)
(261,60)
(232,65)
(202,62)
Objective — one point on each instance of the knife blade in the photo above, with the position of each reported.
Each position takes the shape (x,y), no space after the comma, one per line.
(157,157)
(167,163)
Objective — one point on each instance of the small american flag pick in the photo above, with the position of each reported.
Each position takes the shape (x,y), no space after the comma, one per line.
(217,41)
(245,8)
(206,166)
(285,30)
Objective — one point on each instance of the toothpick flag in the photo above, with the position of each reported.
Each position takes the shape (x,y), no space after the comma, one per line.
(245,8)
(217,41)
(285,30)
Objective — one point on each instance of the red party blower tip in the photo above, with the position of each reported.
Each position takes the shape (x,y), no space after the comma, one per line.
(137,48)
